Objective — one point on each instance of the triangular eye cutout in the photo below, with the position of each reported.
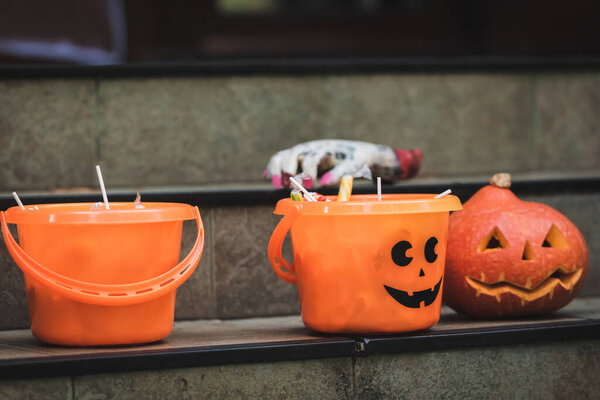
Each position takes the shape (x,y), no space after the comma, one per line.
(494,240)
(555,238)
(528,252)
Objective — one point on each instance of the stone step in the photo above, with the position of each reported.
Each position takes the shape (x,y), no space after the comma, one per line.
(556,356)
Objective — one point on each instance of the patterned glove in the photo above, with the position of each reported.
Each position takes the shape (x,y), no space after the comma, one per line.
(326,161)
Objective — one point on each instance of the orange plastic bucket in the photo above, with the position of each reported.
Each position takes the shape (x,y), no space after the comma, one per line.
(102,277)
(366,266)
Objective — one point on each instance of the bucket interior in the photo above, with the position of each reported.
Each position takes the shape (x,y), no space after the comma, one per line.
(104,253)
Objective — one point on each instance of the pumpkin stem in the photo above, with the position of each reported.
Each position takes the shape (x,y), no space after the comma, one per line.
(501,180)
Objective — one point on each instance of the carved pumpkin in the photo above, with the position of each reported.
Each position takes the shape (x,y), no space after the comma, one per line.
(508,257)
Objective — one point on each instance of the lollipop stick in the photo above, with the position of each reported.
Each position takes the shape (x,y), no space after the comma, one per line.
(102,187)
(444,193)
(18,200)
(309,196)
(379,188)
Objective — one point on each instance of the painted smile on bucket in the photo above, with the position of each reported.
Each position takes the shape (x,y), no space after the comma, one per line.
(426,296)
(423,258)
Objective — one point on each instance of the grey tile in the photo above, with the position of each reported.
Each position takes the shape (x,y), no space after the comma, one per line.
(199,130)
(569,121)
(195,298)
(584,211)
(46,134)
(30,389)
(182,131)
(566,370)
(226,129)
(314,379)
(464,123)
(13,303)
(245,283)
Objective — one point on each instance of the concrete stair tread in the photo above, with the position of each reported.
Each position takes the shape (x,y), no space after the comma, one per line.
(221,342)
(252,193)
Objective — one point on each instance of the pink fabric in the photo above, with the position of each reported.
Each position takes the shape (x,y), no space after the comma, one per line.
(410,161)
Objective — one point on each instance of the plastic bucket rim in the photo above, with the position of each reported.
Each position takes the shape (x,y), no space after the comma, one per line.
(81,213)
(367,204)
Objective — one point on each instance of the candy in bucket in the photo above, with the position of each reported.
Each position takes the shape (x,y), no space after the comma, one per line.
(347,180)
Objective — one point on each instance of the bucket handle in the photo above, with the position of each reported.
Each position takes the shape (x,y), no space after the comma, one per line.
(274,250)
(102,294)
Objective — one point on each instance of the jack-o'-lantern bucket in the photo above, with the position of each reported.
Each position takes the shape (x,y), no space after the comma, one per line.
(365,265)
(96,276)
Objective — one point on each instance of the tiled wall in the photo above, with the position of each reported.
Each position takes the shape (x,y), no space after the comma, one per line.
(159,131)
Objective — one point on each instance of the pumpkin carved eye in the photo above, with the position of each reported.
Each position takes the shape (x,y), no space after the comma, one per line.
(555,238)
(494,240)
(430,254)
(399,253)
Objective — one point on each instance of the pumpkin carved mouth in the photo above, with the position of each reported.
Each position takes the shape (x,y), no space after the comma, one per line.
(567,278)
(415,300)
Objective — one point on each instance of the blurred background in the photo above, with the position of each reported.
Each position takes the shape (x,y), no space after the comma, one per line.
(98,32)
(176,96)
(204,92)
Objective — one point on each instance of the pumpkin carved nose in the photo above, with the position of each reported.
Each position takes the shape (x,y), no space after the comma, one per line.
(528,252)
(421,273)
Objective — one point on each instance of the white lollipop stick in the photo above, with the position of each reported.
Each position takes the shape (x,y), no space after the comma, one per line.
(379,188)
(306,193)
(444,193)
(104,196)
(18,200)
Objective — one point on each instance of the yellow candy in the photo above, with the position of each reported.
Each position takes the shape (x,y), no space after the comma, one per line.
(296,196)
(345,188)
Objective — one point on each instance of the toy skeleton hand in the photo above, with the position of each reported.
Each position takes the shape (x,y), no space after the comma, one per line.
(326,161)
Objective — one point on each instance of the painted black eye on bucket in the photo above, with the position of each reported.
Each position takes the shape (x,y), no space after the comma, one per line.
(430,254)
(399,253)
